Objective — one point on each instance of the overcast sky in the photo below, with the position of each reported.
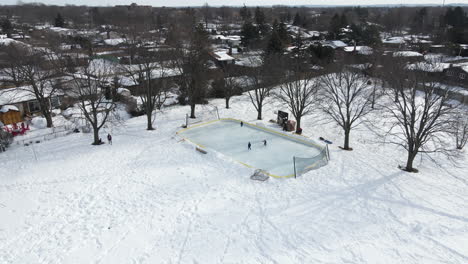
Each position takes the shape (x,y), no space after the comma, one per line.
(233,2)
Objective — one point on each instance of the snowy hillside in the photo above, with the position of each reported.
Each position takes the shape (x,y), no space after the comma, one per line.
(151,198)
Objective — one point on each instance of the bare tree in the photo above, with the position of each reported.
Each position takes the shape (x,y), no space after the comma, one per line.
(191,60)
(150,74)
(261,81)
(460,128)
(346,98)
(34,68)
(419,116)
(300,92)
(231,88)
(89,88)
(227,84)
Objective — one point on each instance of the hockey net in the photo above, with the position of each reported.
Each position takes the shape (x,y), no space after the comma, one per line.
(303,165)
(203,114)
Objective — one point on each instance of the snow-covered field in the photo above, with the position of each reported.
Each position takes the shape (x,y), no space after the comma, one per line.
(150,198)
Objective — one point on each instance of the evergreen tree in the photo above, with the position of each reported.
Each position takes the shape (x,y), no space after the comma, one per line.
(283,33)
(7,27)
(259,16)
(335,26)
(297,20)
(249,34)
(260,20)
(458,21)
(274,45)
(321,55)
(419,20)
(245,13)
(343,20)
(59,21)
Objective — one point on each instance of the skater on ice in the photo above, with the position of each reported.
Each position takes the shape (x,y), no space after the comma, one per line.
(264,142)
(249,146)
(242,124)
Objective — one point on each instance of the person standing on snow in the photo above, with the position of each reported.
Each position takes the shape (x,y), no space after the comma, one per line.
(109,139)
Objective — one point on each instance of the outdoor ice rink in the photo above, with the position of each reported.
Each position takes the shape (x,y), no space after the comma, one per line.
(230,139)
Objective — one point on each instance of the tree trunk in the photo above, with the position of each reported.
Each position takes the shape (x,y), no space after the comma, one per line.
(96,135)
(149,117)
(373,96)
(259,112)
(48,118)
(298,124)
(346,139)
(227,102)
(192,111)
(410,160)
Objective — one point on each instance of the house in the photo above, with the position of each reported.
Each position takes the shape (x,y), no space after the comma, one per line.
(361,50)
(25,101)
(410,56)
(230,40)
(222,57)
(334,44)
(457,74)
(463,50)
(395,43)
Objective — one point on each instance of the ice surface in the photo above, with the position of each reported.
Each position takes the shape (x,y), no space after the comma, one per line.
(229,138)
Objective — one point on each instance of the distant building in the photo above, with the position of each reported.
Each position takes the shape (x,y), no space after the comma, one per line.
(457,75)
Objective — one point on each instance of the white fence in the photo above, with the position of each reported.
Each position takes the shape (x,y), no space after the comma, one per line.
(57,132)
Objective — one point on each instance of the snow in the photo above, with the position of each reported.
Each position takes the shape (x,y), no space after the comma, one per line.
(407,54)
(338,43)
(115,41)
(428,66)
(7,108)
(124,91)
(9,41)
(228,137)
(151,198)
(394,40)
(20,94)
(249,61)
(363,50)
(222,56)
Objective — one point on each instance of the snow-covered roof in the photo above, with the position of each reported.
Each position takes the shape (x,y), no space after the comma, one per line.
(221,37)
(222,56)
(363,50)
(251,61)
(428,67)
(338,43)
(126,81)
(115,41)
(7,108)
(9,41)
(69,46)
(362,66)
(394,40)
(334,43)
(19,94)
(407,54)
(123,91)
